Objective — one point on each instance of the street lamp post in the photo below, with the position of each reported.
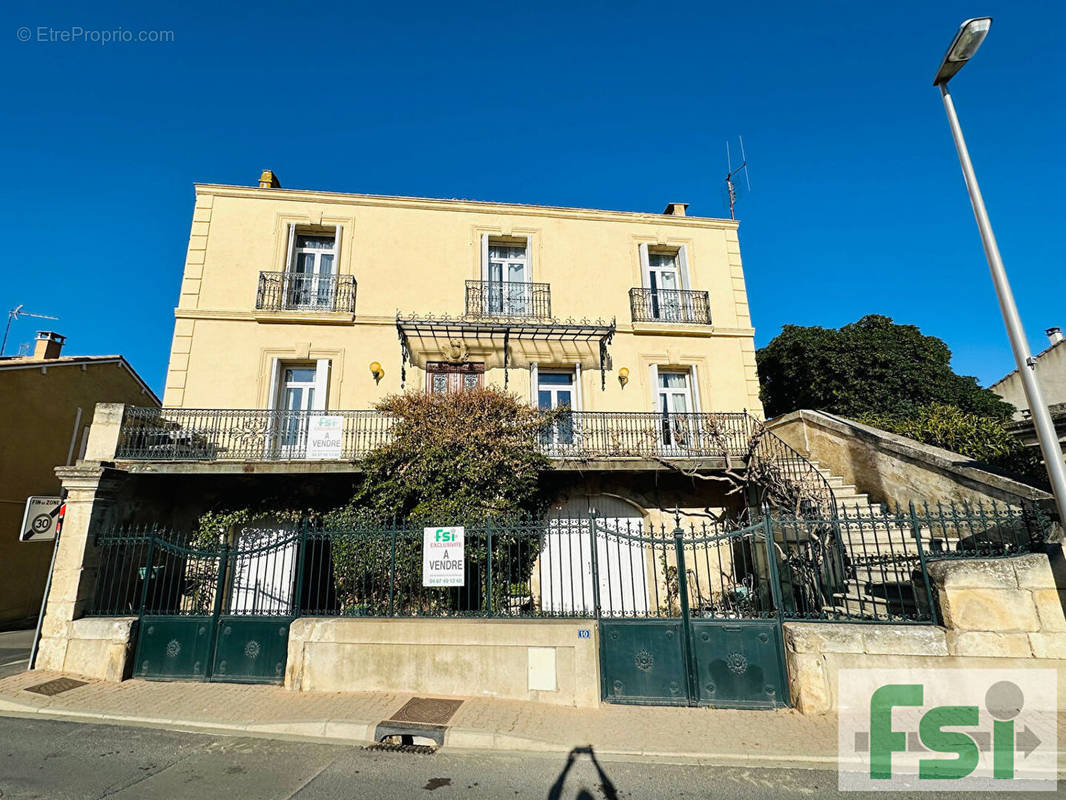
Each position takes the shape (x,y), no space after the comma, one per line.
(969,37)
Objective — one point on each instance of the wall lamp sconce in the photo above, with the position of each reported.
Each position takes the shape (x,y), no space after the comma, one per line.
(377,371)
(623,376)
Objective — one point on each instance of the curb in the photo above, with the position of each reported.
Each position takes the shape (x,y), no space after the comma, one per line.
(362,733)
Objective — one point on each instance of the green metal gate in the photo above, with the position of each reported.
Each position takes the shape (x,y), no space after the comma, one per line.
(703,626)
(220,614)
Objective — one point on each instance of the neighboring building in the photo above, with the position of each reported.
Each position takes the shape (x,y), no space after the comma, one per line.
(46,405)
(1050,373)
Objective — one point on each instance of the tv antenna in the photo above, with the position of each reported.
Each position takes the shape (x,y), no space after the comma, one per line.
(732,173)
(13,315)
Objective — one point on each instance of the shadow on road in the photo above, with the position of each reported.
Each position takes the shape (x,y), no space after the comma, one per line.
(556,792)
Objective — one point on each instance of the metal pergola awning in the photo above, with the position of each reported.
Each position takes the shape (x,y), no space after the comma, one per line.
(502,329)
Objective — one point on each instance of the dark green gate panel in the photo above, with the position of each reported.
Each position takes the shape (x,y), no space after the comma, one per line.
(643,662)
(173,648)
(739,664)
(251,649)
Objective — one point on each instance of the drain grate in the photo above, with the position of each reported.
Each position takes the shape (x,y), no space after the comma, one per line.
(54,687)
(419,749)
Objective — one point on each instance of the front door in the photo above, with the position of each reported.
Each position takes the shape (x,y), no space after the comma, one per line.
(447,378)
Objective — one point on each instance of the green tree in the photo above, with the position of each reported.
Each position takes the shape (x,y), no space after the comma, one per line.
(872,366)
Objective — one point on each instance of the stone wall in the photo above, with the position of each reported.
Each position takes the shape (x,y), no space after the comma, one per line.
(894,469)
(996,613)
(546,661)
(93,647)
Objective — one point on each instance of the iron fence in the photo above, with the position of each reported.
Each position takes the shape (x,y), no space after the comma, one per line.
(670,305)
(865,565)
(305,291)
(508,299)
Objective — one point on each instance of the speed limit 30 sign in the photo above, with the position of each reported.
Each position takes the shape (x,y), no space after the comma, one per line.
(41,519)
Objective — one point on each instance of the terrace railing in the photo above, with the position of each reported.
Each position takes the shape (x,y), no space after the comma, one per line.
(203,434)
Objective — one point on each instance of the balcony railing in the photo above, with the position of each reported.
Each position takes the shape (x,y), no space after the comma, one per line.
(508,299)
(304,291)
(191,434)
(670,305)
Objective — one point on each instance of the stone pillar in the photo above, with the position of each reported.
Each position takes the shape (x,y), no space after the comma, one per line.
(89,487)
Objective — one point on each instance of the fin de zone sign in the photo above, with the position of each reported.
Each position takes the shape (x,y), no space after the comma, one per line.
(442,557)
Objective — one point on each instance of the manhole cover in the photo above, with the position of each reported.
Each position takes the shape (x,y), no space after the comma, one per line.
(54,687)
(427,710)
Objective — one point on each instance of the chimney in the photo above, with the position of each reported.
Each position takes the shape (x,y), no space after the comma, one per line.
(268,180)
(675,209)
(48,345)
(1054,335)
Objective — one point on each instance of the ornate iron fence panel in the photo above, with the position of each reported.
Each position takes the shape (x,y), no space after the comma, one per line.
(205,613)
(670,305)
(305,291)
(716,639)
(518,299)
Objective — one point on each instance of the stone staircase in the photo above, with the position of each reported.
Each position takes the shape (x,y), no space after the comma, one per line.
(881,555)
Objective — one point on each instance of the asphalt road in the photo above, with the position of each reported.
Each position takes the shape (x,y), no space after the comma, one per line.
(14,651)
(74,761)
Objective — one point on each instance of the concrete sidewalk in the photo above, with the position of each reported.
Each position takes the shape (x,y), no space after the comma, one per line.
(686,734)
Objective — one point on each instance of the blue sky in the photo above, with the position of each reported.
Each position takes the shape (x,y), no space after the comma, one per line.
(857,203)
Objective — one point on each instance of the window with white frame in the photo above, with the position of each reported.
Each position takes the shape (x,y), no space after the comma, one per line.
(310,280)
(557,390)
(506,277)
(675,403)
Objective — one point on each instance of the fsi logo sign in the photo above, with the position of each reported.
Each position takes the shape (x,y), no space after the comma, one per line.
(947,730)
(443,557)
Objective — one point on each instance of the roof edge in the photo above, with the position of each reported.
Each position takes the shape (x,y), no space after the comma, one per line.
(462,204)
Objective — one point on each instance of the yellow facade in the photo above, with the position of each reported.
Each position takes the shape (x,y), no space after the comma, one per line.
(413,256)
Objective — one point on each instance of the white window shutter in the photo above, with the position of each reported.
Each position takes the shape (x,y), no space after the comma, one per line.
(694,380)
(337,250)
(321,384)
(682,263)
(275,378)
(529,259)
(484,256)
(534,382)
(653,372)
(289,266)
(579,400)
(645,267)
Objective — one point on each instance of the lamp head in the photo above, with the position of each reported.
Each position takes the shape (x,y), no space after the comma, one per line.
(962,48)
(623,375)
(377,371)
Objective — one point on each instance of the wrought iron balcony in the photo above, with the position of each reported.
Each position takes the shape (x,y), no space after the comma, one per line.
(670,305)
(302,291)
(258,435)
(508,299)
